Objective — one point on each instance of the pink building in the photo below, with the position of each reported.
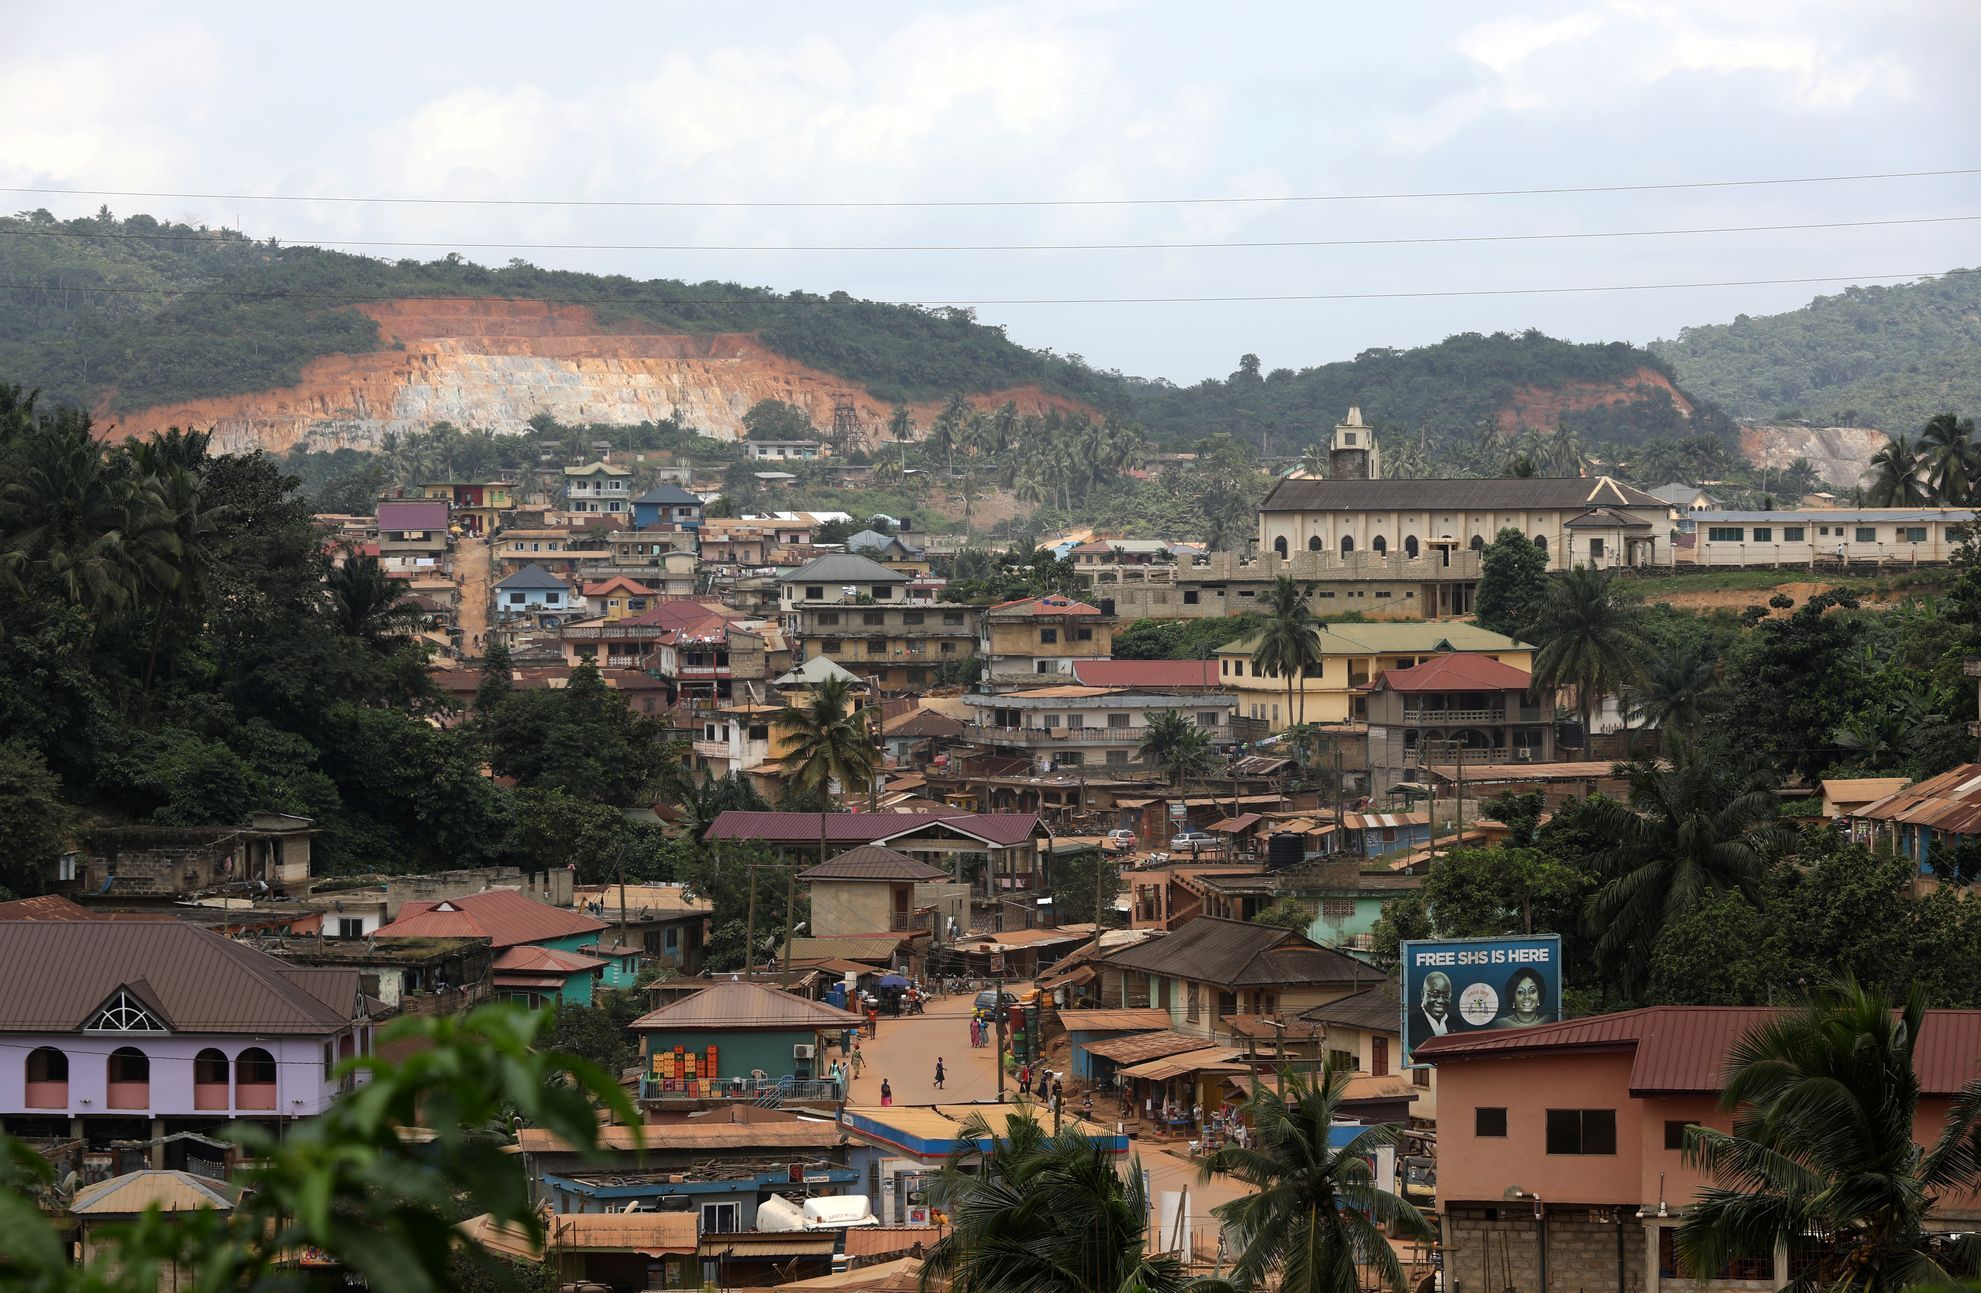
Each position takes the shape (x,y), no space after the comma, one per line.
(1559,1146)
(135,1030)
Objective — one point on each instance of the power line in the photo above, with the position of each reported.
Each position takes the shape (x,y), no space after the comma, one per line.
(876,204)
(774,299)
(985,247)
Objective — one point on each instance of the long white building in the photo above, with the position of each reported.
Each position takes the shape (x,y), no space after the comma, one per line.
(1831,535)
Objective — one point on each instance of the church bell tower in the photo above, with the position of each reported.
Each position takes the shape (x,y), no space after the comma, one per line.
(1353,455)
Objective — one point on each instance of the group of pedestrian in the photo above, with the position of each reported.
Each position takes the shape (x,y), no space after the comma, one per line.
(980,1031)
(1045,1085)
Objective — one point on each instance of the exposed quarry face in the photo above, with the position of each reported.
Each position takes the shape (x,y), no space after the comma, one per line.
(1840,455)
(490,365)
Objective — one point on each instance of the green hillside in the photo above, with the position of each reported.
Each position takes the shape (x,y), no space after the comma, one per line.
(1885,357)
(141,313)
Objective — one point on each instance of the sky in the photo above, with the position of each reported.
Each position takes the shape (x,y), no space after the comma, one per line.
(1024,109)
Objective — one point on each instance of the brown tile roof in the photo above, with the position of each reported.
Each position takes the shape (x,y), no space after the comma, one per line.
(923,722)
(902,1275)
(769,1245)
(1105,1021)
(1463,671)
(1684,1048)
(58,972)
(1233,952)
(872,862)
(1134,1048)
(738,1005)
(503,916)
(49,906)
(1146,673)
(524,959)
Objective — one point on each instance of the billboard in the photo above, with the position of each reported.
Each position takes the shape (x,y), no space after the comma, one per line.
(1468,985)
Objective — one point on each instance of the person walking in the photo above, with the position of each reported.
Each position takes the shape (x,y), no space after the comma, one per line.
(1025,1077)
(1058,1091)
(938,1072)
(886,1093)
(859,1060)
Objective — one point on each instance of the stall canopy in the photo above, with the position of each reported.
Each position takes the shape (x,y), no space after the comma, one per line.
(1216,1059)
(1138,1047)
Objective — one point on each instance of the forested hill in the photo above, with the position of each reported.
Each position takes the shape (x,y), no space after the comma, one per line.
(1885,357)
(133,314)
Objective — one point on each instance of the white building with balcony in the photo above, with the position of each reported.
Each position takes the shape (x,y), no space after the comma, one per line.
(1083,727)
(598,487)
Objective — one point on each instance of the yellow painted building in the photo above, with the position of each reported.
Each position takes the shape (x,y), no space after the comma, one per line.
(1351,657)
(1034,637)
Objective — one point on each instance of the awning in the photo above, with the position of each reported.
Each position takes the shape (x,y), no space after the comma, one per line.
(752,1247)
(1074,977)
(1214,1060)
(551,982)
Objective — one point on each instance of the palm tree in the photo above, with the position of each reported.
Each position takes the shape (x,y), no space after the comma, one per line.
(1290,647)
(1044,1213)
(945,433)
(1678,692)
(1897,477)
(1588,640)
(1948,454)
(832,744)
(83,520)
(1315,1213)
(1314,460)
(1702,825)
(368,603)
(1177,746)
(1822,1154)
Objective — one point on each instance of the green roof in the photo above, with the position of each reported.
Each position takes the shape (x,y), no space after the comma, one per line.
(1396,636)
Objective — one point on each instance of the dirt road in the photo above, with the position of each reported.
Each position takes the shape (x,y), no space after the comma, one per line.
(474,564)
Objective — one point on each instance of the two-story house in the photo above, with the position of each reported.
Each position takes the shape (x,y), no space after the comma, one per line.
(783,450)
(1417,715)
(661,558)
(552,547)
(871,889)
(509,921)
(890,550)
(533,593)
(123,1030)
(895,647)
(1352,655)
(836,579)
(1033,636)
(668,505)
(598,487)
(412,535)
(1078,727)
(618,598)
(476,505)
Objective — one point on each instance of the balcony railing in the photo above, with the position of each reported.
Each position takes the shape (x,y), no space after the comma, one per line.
(1051,736)
(903,922)
(710,749)
(1432,717)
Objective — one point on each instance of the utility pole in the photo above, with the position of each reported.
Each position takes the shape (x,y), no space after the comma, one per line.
(790,910)
(997,988)
(750,927)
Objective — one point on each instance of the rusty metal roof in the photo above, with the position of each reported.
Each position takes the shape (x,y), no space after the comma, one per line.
(503,916)
(1684,1048)
(1104,1021)
(873,862)
(49,906)
(873,1241)
(1134,1048)
(867,828)
(739,1005)
(1950,802)
(135,1192)
(1230,952)
(58,974)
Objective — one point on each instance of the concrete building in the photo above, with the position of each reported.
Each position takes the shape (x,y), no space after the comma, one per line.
(736,1037)
(533,593)
(1561,1165)
(783,450)
(1078,727)
(598,487)
(268,855)
(1470,701)
(413,535)
(837,579)
(1352,657)
(1883,536)
(476,505)
(1019,641)
(668,505)
(873,890)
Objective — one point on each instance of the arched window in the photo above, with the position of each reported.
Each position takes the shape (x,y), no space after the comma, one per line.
(1314,544)
(1478,543)
(1410,546)
(210,1079)
(1279,545)
(128,1071)
(1379,545)
(1541,542)
(48,1078)
(254,1079)
(1347,544)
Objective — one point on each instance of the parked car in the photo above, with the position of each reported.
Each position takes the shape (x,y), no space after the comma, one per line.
(1193,842)
(1120,842)
(987,1000)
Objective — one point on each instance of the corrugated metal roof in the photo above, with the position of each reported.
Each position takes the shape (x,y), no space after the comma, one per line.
(1950,802)
(533,576)
(1103,1021)
(425,515)
(1214,1059)
(1464,671)
(1684,1048)
(876,1241)
(842,568)
(1226,952)
(59,972)
(49,906)
(503,916)
(1538,493)
(134,1192)
(902,1275)
(867,828)
(877,947)
(1138,1047)
(1862,515)
(752,1245)
(1384,821)
(1052,606)
(1377,1008)
(872,862)
(524,959)
(696,1134)
(740,1005)
(1146,673)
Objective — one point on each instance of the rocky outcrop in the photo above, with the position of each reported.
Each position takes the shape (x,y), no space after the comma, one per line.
(490,365)
(1840,455)
(1541,407)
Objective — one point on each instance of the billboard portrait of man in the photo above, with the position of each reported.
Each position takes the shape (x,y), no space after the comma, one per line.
(1462,985)
(1431,1016)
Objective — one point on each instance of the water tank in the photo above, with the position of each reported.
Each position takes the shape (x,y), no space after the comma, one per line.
(1285,849)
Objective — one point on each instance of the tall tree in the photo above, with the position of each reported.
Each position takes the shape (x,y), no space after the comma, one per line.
(1513,579)
(1177,746)
(832,746)
(1678,691)
(1313,1210)
(1290,645)
(1898,477)
(1951,460)
(1822,1156)
(1044,1213)
(369,603)
(1702,825)
(1588,642)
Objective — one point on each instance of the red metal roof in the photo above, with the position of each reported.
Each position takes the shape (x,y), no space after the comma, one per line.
(1460,671)
(427,515)
(1950,802)
(503,916)
(524,959)
(1052,605)
(1146,673)
(1684,1048)
(49,906)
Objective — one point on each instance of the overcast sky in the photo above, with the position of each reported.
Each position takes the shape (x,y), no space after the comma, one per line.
(775,102)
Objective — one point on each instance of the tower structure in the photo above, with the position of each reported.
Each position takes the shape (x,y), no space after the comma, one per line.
(1352,455)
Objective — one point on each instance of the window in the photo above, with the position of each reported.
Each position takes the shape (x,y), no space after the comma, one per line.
(1764,534)
(329,1058)
(1117,720)
(1342,1060)
(1581,1131)
(129,1074)
(1420,1077)
(828,617)
(1794,533)
(350,927)
(1070,759)
(1207,718)
(1084,635)
(1279,546)
(1325,596)
(911,617)
(1379,545)
(1675,1134)
(1190,1006)
(48,1078)
(1314,544)
(515,599)
(949,648)
(254,1067)
(1382,594)
(1047,637)
(123,1013)
(814,592)
(1117,757)
(1052,722)
(210,1068)
(1913,534)
(873,619)
(1347,544)
(1076,721)
(882,592)
(1379,1057)
(1867,534)
(719,1219)
(1190,598)
(1489,1121)
(1337,908)
(952,617)
(1595,547)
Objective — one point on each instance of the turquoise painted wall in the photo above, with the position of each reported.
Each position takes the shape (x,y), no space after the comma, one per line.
(1331,931)
(620,971)
(737,1052)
